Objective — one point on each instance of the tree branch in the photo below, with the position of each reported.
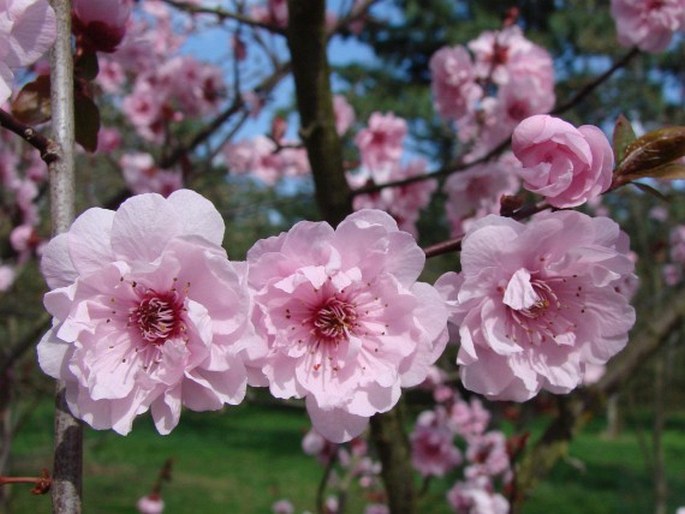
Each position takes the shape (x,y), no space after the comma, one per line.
(223,14)
(68,454)
(206,132)
(307,43)
(46,147)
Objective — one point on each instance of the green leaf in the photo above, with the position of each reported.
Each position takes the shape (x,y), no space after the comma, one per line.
(648,155)
(32,104)
(623,136)
(87,121)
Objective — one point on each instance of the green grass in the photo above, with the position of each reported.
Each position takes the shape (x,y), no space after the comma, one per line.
(240,460)
(243,459)
(611,476)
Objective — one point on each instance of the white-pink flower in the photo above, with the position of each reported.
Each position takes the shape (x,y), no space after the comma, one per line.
(403,203)
(344,114)
(536,302)
(477,191)
(468,419)
(142,175)
(346,320)
(27,31)
(567,165)
(261,157)
(380,144)
(507,56)
(148,313)
(453,82)
(487,455)
(150,504)
(648,24)
(433,452)
(283,507)
(7,277)
(476,497)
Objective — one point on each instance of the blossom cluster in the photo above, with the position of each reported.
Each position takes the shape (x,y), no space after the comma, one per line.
(505,61)
(381,148)
(454,439)
(151,315)
(647,24)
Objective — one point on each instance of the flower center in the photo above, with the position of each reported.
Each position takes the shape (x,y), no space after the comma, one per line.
(546,297)
(333,320)
(158,316)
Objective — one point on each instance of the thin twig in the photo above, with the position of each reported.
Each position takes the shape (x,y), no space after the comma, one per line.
(223,14)
(46,147)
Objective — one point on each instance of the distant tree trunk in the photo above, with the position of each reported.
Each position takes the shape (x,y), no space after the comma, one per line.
(613,417)
(307,41)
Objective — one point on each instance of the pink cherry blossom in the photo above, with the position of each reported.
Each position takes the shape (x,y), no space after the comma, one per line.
(648,24)
(477,191)
(274,12)
(347,322)
(515,101)
(142,175)
(109,139)
(150,504)
(403,203)
(27,31)
(476,497)
(468,419)
(283,507)
(380,144)
(672,273)
(565,164)
(344,114)
(508,56)
(7,277)
(487,455)
(658,213)
(536,302)
(593,372)
(148,313)
(261,157)
(453,82)
(101,25)
(433,452)
(318,446)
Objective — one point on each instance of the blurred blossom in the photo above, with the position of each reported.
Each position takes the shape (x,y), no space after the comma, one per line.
(150,504)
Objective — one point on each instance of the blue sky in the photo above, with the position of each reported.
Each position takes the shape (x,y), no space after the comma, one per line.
(213,44)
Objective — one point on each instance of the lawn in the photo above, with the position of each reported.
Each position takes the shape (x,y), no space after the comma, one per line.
(242,460)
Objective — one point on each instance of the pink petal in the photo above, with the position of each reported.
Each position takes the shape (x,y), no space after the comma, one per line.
(89,240)
(143,226)
(336,425)
(198,215)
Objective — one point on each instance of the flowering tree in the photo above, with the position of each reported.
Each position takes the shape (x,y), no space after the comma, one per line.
(149,314)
